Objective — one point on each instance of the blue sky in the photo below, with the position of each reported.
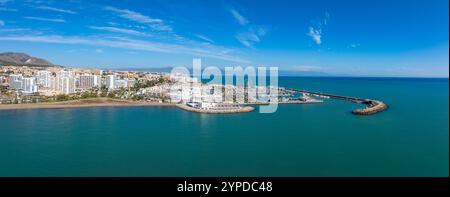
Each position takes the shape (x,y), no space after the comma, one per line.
(346,37)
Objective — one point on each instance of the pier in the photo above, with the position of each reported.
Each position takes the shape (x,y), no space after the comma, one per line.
(372,106)
(286,102)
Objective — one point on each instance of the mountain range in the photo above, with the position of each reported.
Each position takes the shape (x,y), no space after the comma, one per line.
(12,58)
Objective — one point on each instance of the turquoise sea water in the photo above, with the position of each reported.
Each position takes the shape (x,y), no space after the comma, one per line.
(411,138)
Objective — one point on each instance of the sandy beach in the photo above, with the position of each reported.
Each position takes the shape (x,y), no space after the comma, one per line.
(95,102)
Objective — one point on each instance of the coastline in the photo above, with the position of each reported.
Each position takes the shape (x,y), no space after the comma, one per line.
(81,103)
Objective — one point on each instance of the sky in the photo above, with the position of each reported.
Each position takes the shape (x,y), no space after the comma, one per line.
(406,38)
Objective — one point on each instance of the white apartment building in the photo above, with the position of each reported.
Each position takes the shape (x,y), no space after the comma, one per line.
(97,81)
(110,82)
(65,85)
(62,85)
(196,92)
(15,81)
(130,82)
(15,77)
(120,83)
(43,78)
(124,83)
(88,81)
(29,85)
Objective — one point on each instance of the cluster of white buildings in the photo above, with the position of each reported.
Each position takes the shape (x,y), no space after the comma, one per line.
(113,82)
(189,90)
(26,84)
(61,82)
(64,82)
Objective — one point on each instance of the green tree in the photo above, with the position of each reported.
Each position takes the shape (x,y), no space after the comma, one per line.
(111,95)
(62,97)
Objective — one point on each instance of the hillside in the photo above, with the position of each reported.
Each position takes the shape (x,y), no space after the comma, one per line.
(11,58)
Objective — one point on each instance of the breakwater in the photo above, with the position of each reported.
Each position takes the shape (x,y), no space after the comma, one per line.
(372,106)
(222,111)
(286,102)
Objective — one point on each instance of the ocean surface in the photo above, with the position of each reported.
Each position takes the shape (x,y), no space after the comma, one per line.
(411,138)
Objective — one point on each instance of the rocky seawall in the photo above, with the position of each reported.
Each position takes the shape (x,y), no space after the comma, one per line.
(192,109)
(373,106)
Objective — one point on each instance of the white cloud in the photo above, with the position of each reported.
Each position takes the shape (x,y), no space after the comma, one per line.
(204,38)
(315,31)
(20,31)
(76,50)
(241,19)
(55,9)
(247,38)
(261,31)
(99,50)
(161,27)
(56,20)
(326,18)
(355,45)
(113,23)
(208,51)
(120,30)
(2,23)
(134,16)
(251,34)
(315,34)
(155,23)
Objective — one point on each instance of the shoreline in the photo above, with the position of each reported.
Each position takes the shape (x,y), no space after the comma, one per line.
(82,103)
(108,102)
(373,106)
